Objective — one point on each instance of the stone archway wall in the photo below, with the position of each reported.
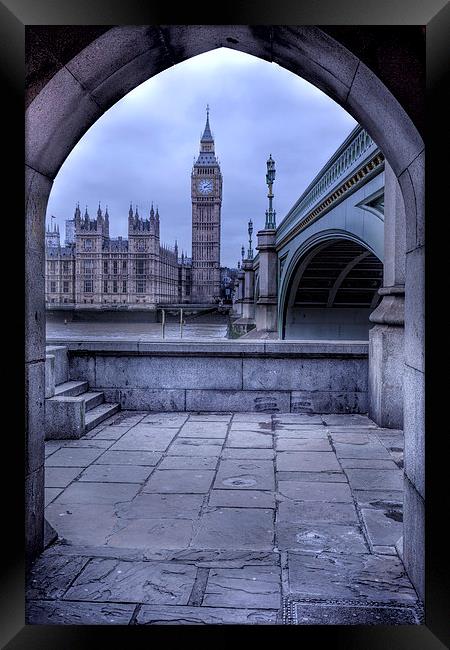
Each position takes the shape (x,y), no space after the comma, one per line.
(69,93)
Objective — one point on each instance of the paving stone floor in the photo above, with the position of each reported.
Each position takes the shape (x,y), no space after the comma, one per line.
(177,518)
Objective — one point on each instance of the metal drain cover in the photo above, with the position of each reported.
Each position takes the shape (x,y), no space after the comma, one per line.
(239,482)
(305,611)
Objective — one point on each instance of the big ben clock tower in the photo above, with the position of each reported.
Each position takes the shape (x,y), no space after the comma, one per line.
(206,194)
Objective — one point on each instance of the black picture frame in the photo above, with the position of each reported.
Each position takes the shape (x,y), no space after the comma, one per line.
(14,16)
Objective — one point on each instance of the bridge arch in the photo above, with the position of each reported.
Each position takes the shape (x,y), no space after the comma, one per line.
(70,91)
(346,275)
(318,238)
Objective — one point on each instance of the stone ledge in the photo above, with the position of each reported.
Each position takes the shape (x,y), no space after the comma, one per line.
(213,348)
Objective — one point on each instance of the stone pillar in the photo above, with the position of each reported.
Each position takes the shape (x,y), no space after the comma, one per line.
(386,338)
(413,376)
(37,190)
(248,305)
(266,306)
(240,293)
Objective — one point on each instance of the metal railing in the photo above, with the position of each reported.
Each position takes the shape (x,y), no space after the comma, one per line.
(354,149)
(163,323)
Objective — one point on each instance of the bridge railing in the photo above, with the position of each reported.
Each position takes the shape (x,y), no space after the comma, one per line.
(353,151)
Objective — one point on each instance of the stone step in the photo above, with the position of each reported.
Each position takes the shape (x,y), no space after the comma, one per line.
(61,364)
(91,400)
(71,388)
(98,414)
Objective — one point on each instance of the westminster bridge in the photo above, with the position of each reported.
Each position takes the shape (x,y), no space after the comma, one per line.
(317,275)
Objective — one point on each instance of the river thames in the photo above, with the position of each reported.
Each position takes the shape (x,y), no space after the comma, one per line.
(135,331)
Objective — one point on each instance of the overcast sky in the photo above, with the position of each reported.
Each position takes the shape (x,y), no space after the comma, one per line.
(143,148)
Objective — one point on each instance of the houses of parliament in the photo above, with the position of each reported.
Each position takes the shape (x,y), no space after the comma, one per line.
(91,270)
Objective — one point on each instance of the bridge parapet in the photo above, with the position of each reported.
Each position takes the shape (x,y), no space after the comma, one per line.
(354,151)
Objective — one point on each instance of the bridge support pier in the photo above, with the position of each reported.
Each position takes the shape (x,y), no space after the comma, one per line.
(237,306)
(266,306)
(386,338)
(248,305)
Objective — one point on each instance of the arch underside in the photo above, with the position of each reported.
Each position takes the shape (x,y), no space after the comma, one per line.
(332,292)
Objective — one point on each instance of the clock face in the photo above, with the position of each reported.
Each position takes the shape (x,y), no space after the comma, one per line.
(205,186)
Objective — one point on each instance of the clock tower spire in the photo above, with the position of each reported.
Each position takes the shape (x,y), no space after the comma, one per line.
(206,196)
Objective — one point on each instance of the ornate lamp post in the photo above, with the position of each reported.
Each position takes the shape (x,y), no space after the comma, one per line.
(250,249)
(266,307)
(248,305)
(239,286)
(270,177)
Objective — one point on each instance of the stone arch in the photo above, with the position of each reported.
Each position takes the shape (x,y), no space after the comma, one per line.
(324,247)
(314,240)
(79,91)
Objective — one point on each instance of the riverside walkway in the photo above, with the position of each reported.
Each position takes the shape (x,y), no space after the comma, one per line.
(245,518)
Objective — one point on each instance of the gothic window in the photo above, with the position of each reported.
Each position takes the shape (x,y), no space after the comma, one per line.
(141,244)
(88,244)
(53,287)
(105,266)
(124,287)
(65,286)
(140,286)
(115,267)
(88,266)
(88,288)
(65,267)
(140,267)
(105,287)
(115,286)
(124,265)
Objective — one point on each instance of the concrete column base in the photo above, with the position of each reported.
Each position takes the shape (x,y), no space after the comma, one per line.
(34,515)
(386,365)
(248,309)
(266,317)
(237,309)
(387,359)
(414,537)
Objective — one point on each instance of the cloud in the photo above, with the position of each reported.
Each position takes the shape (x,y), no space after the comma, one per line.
(142,149)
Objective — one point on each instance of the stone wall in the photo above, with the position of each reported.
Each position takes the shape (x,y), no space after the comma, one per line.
(278,376)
